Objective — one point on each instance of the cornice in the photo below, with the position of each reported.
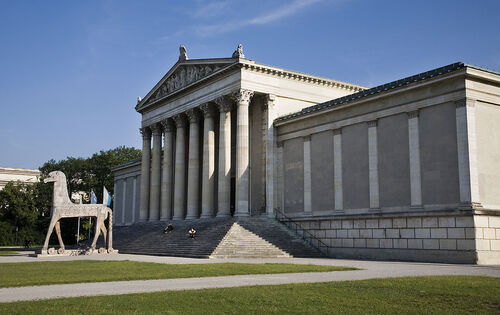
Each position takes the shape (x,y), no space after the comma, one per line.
(19,171)
(300,77)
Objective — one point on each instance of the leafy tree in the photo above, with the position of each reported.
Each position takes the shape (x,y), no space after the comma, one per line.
(18,214)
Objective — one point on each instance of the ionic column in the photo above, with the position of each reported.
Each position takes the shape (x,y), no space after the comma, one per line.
(145,166)
(373,165)
(467,154)
(242,98)
(307,176)
(414,153)
(193,188)
(166,180)
(224,180)
(180,172)
(337,171)
(154,195)
(208,188)
(270,155)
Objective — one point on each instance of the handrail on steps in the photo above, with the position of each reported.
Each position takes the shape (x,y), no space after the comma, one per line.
(301,232)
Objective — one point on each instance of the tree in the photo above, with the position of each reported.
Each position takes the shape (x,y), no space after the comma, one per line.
(100,165)
(18,214)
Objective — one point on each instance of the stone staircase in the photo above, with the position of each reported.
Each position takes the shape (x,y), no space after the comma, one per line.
(216,237)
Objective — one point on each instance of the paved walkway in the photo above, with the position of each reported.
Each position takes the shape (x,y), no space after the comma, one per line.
(371,270)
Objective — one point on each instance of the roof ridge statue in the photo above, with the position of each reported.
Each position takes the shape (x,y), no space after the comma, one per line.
(183,53)
(63,207)
(238,53)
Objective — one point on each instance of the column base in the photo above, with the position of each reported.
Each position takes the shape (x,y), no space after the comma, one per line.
(417,207)
(177,218)
(338,212)
(191,217)
(164,218)
(223,215)
(374,210)
(206,216)
(242,214)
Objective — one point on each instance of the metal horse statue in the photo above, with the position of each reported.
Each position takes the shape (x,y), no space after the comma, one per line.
(63,207)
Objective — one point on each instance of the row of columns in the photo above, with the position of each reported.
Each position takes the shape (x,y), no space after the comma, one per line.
(156,187)
(467,162)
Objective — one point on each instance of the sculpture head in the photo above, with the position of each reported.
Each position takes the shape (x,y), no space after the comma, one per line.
(55,176)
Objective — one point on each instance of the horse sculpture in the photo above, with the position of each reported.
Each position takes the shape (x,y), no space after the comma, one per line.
(63,207)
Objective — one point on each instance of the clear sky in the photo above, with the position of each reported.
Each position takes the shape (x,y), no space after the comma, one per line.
(71,71)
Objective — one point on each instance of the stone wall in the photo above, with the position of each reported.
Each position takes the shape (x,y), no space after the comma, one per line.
(444,237)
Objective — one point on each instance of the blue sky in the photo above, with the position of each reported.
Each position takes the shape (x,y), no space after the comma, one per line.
(70,71)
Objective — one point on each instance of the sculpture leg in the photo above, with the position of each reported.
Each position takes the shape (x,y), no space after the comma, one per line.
(100,220)
(110,232)
(104,231)
(49,232)
(58,232)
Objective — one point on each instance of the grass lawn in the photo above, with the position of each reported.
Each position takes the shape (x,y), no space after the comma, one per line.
(418,295)
(8,252)
(57,272)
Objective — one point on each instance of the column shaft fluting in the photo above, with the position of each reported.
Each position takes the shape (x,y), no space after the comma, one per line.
(193,188)
(242,98)
(145,166)
(154,195)
(166,181)
(224,179)
(180,170)
(207,202)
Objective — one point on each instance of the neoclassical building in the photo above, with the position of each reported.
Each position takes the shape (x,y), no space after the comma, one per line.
(406,170)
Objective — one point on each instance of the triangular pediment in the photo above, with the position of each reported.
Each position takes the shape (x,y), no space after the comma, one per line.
(182,75)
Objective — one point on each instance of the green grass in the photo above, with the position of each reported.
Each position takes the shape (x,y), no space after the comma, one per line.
(40,273)
(8,252)
(418,295)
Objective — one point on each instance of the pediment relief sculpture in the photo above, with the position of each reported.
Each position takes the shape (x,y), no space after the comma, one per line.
(184,76)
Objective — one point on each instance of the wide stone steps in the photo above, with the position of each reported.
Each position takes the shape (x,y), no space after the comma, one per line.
(216,237)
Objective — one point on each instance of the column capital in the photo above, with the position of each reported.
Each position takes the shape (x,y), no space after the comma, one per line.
(372,123)
(465,102)
(242,96)
(193,115)
(145,132)
(167,125)
(207,110)
(224,103)
(307,138)
(413,114)
(179,120)
(279,144)
(337,131)
(155,129)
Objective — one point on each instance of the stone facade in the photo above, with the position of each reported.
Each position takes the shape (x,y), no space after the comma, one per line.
(395,172)
(407,170)
(23,175)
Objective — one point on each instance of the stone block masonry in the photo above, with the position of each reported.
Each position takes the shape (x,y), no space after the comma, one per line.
(441,237)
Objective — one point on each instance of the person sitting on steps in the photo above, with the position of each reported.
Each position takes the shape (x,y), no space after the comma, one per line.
(169,228)
(192,233)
